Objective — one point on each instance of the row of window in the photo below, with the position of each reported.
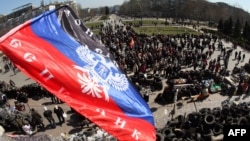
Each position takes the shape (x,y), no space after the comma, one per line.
(21,19)
(12,22)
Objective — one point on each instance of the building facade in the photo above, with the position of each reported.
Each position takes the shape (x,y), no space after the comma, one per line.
(26,12)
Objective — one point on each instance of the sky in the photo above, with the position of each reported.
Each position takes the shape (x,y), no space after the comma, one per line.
(7,6)
(244,4)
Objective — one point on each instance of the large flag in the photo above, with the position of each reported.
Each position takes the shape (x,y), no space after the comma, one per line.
(58,51)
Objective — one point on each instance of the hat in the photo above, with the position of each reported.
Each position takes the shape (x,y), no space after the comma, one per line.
(45,108)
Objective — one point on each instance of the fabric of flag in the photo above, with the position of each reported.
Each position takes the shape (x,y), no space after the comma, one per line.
(58,51)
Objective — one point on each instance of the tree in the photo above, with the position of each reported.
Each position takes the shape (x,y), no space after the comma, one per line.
(228,26)
(79,11)
(106,10)
(220,25)
(246,31)
(237,29)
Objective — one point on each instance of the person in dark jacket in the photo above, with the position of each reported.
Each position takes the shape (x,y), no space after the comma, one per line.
(37,118)
(59,113)
(48,115)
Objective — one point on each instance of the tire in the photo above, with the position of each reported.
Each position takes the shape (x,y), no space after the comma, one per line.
(194,118)
(157,77)
(209,119)
(217,113)
(218,129)
(159,136)
(141,79)
(149,80)
(134,78)
(179,133)
(242,121)
(166,131)
(158,85)
(89,131)
(170,137)
(207,134)
(225,111)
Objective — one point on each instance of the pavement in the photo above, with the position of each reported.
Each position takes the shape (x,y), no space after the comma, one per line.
(160,112)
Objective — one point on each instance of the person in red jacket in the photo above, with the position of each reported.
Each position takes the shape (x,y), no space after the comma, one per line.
(217,67)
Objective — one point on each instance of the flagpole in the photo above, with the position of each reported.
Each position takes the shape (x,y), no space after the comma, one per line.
(75,5)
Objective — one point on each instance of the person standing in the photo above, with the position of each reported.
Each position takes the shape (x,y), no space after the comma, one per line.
(37,118)
(12,83)
(195,65)
(217,67)
(54,99)
(239,58)
(243,57)
(239,90)
(135,68)
(59,113)
(83,120)
(235,56)
(48,115)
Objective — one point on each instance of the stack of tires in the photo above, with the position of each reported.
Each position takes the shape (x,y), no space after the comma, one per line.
(206,124)
(157,82)
(149,79)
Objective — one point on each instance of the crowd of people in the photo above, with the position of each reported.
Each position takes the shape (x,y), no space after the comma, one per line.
(164,53)
(21,110)
(167,55)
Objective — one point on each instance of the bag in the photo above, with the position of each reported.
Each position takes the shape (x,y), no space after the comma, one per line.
(64,115)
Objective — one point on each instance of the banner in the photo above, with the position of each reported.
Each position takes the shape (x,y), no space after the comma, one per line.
(58,51)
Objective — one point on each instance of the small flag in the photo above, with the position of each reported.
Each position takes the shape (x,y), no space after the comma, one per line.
(131,43)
